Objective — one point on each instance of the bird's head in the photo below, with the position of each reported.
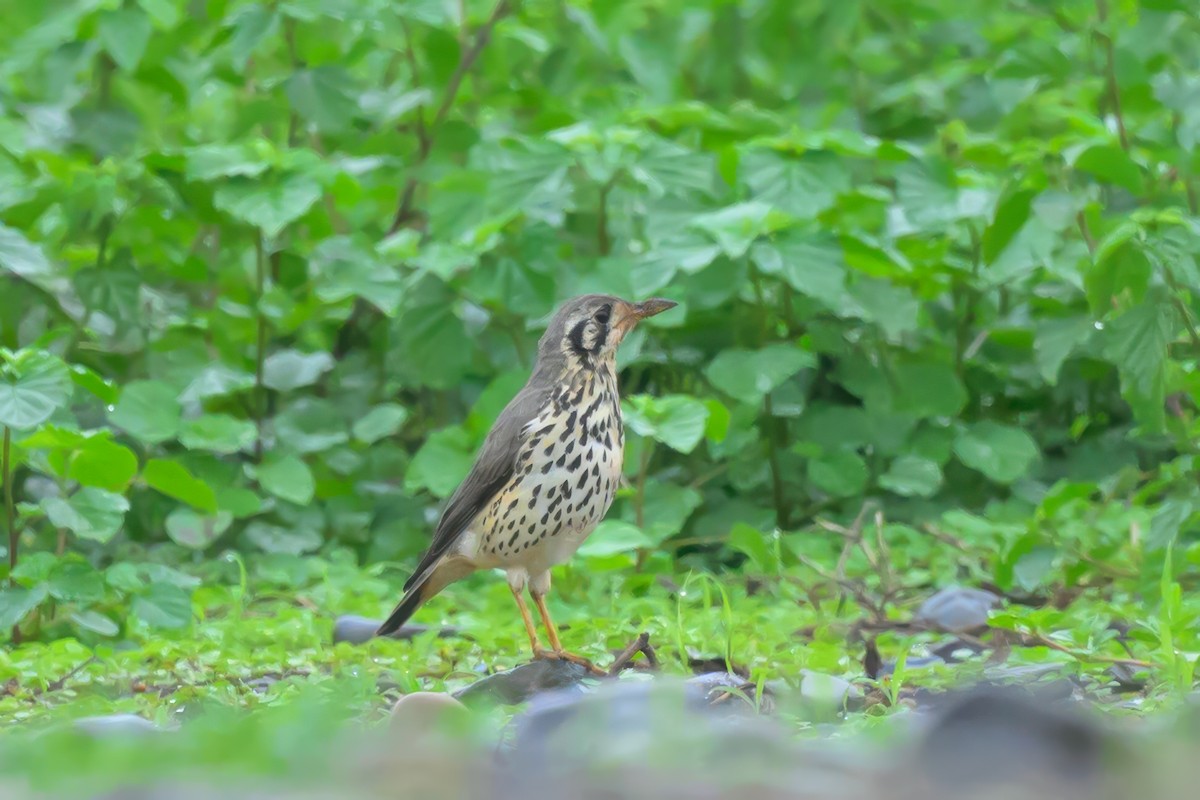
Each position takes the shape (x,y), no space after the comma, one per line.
(586,330)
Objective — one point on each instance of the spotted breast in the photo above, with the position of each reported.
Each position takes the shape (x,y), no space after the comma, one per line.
(567,473)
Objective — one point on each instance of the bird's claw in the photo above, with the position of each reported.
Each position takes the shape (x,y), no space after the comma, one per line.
(542,654)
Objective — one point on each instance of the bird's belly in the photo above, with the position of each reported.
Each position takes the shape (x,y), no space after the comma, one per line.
(551,505)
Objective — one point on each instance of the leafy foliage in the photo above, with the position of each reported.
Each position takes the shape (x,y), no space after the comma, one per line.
(269,270)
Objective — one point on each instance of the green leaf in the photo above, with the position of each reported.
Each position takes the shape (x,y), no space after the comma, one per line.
(323,96)
(104,464)
(16,603)
(748,375)
(893,308)
(124,33)
(912,476)
(90,513)
(292,369)
(666,508)
(173,479)
(163,605)
(270,204)
(210,162)
(26,260)
(841,473)
(164,12)
(33,385)
(736,227)
(95,622)
(1001,452)
(380,422)
(288,478)
(311,425)
(613,537)
(928,389)
(1136,342)
(801,187)
(811,262)
(196,531)
(1122,272)
(148,411)
(290,541)
(342,270)
(1110,164)
(1168,522)
(678,421)
(1011,214)
(441,463)
(252,24)
(217,433)
(753,543)
(76,581)
(1055,340)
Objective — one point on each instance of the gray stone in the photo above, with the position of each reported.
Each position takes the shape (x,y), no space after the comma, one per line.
(956,609)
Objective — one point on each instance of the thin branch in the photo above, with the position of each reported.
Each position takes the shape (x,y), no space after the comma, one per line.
(404,210)
(1086,231)
(14,536)
(603,241)
(414,69)
(260,389)
(1184,311)
(9,508)
(1110,73)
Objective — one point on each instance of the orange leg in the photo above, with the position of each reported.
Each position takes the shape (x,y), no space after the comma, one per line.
(555,644)
(527,618)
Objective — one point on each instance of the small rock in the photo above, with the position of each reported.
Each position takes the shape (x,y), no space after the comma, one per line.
(421,711)
(1125,678)
(357,630)
(660,737)
(723,687)
(889,667)
(956,609)
(116,725)
(1011,739)
(828,694)
(517,685)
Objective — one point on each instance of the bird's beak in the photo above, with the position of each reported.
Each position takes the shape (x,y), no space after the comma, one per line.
(636,312)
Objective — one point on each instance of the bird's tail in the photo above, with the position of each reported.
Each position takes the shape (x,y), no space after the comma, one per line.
(408,606)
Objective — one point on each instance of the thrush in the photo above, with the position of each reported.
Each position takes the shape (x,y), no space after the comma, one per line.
(546,473)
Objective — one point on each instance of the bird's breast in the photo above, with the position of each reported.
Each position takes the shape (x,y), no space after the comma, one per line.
(566,475)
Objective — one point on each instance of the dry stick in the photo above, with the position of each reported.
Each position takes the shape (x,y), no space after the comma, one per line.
(639,645)
(482,36)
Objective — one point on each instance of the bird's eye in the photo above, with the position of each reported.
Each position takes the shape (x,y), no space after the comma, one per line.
(602,316)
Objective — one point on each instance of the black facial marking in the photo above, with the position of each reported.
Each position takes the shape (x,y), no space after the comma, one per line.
(575,337)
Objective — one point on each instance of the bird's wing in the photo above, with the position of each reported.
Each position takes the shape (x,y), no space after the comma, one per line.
(492,469)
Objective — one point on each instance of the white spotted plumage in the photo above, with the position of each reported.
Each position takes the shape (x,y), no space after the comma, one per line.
(567,474)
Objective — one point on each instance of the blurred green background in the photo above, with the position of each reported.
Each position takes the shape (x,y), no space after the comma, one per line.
(269,270)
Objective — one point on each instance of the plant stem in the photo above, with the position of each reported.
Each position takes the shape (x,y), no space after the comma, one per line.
(260,390)
(639,507)
(603,243)
(404,210)
(1110,74)
(9,509)
(770,424)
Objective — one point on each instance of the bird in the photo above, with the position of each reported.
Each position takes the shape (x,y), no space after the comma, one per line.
(546,473)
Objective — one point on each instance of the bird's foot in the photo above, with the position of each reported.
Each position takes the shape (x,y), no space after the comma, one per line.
(542,654)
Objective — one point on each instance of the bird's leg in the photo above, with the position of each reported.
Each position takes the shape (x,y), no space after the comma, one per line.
(527,618)
(552,631)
